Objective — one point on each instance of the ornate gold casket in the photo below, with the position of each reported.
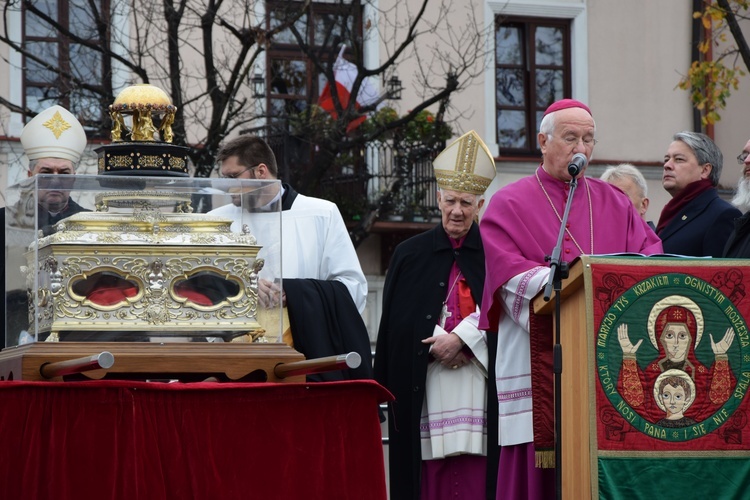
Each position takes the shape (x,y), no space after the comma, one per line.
(130,258)
(140,265)
(132,276)
(139,275)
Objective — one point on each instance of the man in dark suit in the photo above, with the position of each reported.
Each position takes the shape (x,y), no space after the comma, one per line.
(695,221)
(738,245)
(53,142)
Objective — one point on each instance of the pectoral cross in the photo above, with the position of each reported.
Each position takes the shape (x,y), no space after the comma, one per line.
(444,315)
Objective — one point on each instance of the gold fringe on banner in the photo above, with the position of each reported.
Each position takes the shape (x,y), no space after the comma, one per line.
(544,459)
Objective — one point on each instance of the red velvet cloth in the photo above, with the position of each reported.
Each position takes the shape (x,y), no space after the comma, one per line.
(111,295)
(150,440)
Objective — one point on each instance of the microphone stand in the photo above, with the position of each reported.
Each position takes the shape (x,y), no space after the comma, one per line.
(558,272)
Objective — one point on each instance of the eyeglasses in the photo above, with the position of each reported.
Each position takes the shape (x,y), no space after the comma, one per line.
(573,140)
(237,174)
(741,158)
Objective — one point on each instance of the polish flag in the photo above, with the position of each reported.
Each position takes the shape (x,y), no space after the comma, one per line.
(344,74)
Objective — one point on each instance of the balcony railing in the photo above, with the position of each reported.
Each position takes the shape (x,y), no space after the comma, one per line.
(394,177)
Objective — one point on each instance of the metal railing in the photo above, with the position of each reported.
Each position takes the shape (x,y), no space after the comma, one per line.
(395,176)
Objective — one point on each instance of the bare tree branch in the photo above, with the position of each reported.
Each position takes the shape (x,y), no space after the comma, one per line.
(203,54)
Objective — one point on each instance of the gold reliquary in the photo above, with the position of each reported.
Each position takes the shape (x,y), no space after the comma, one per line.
(141,259)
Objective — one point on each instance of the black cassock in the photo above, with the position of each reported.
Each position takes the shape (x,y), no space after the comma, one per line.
(738,245)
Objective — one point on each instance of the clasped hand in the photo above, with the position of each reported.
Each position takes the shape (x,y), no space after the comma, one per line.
(447,349)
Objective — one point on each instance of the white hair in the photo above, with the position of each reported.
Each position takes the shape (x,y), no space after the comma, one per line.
(617,172)
(741,199)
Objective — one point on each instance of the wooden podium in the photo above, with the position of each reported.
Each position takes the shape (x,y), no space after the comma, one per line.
(615,445)
(575,405)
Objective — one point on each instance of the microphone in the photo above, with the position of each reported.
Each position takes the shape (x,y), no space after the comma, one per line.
(577,163)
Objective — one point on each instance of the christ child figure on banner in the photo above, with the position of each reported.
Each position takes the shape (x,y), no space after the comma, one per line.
(679,323)
(674,393)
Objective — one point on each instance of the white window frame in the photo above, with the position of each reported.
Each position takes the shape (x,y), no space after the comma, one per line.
(576,12)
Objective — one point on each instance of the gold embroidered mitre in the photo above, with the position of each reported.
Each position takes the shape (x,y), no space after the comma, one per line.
(466,165)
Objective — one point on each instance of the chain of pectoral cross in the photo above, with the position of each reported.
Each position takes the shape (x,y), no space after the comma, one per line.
(444,313)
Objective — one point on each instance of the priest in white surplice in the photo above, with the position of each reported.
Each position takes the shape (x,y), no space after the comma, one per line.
(323,283)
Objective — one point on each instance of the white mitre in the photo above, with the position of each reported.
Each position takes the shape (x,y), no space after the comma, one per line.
(54,133)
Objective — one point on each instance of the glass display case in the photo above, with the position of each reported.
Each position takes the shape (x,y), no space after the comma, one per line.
(142,259)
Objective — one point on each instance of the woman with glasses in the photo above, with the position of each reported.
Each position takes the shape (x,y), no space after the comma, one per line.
(695,221)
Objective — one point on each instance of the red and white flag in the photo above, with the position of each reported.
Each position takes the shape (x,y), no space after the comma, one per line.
(344,74)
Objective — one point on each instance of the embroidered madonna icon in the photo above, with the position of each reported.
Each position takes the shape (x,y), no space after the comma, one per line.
(673,358)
